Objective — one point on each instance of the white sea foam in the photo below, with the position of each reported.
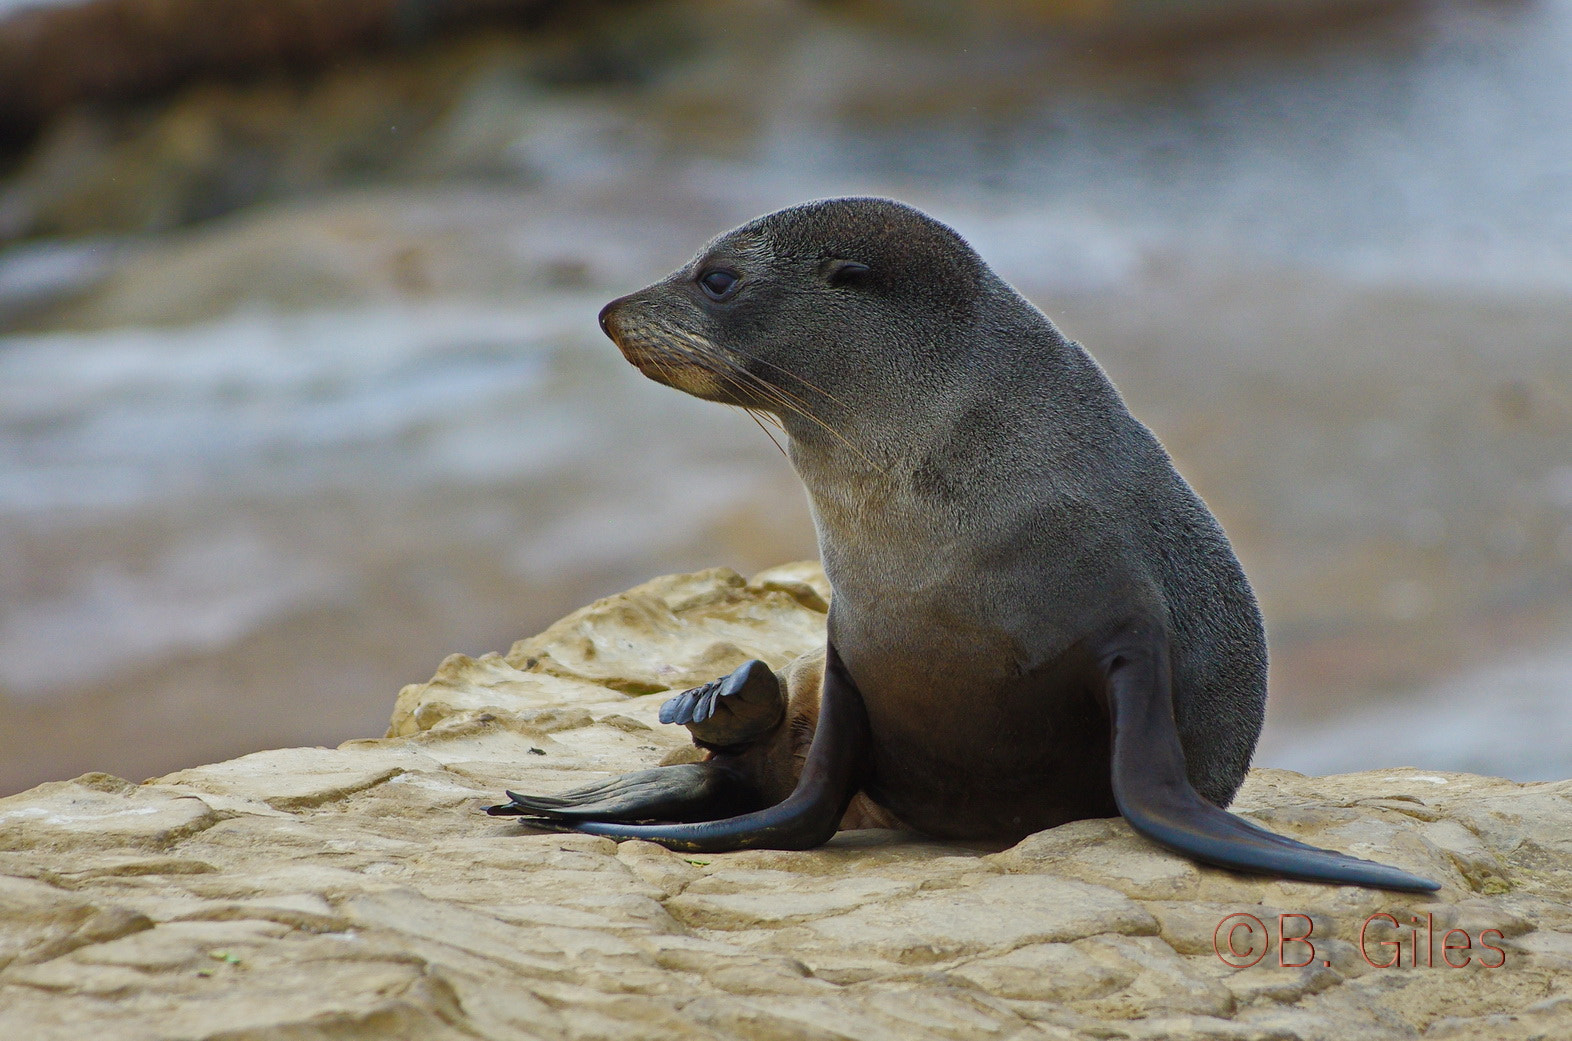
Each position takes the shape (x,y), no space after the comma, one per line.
(117,418)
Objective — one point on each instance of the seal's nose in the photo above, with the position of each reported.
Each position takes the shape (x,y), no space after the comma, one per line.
(605,315)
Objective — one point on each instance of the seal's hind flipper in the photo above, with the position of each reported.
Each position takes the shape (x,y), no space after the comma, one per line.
(724,715)
(736,709)
(830,777)
(687,792)
(1155,796)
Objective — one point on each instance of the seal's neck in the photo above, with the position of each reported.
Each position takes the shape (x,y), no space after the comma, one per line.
(872,507)
(993,444)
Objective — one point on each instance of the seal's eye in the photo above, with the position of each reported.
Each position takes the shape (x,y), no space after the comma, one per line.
(717,283)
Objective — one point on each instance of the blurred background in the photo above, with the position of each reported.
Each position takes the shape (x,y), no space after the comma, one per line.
(301,387)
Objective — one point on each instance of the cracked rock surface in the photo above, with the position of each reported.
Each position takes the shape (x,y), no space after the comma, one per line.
(356,892)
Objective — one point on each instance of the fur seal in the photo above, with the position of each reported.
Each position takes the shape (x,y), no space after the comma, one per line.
(1034,618)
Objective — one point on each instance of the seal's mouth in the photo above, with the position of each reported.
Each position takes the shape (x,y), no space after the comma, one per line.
(665,355)
(654,360)
(664,367)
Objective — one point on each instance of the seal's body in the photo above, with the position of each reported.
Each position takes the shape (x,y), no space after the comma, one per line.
(1034,618)
(1034,515)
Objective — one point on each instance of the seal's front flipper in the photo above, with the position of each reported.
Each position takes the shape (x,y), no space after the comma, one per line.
(1154,794)
(734,710)
(830,777)
(688,792)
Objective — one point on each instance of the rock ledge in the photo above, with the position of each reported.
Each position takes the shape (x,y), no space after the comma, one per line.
(356,892)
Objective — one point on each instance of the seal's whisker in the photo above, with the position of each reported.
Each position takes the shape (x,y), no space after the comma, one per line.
(665,371)
(783,399)
(754,415)
(800,379)
(723,373)
(703,354)
(720,372)
(703,350)
(781,392)
(788,401)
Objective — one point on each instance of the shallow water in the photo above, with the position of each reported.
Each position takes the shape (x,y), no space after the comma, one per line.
(287,461)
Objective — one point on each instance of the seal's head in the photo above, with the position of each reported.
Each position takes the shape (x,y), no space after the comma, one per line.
(806,308)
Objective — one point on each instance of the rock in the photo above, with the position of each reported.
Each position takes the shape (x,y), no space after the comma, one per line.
(275,131)
(357,892)
(53,55)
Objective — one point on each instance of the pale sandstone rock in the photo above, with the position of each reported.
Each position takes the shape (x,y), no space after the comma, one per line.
(357,893)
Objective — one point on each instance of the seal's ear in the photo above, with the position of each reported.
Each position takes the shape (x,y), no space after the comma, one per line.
(843,272)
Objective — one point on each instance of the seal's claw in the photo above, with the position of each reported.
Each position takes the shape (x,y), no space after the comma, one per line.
(735,709)
(680,708)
